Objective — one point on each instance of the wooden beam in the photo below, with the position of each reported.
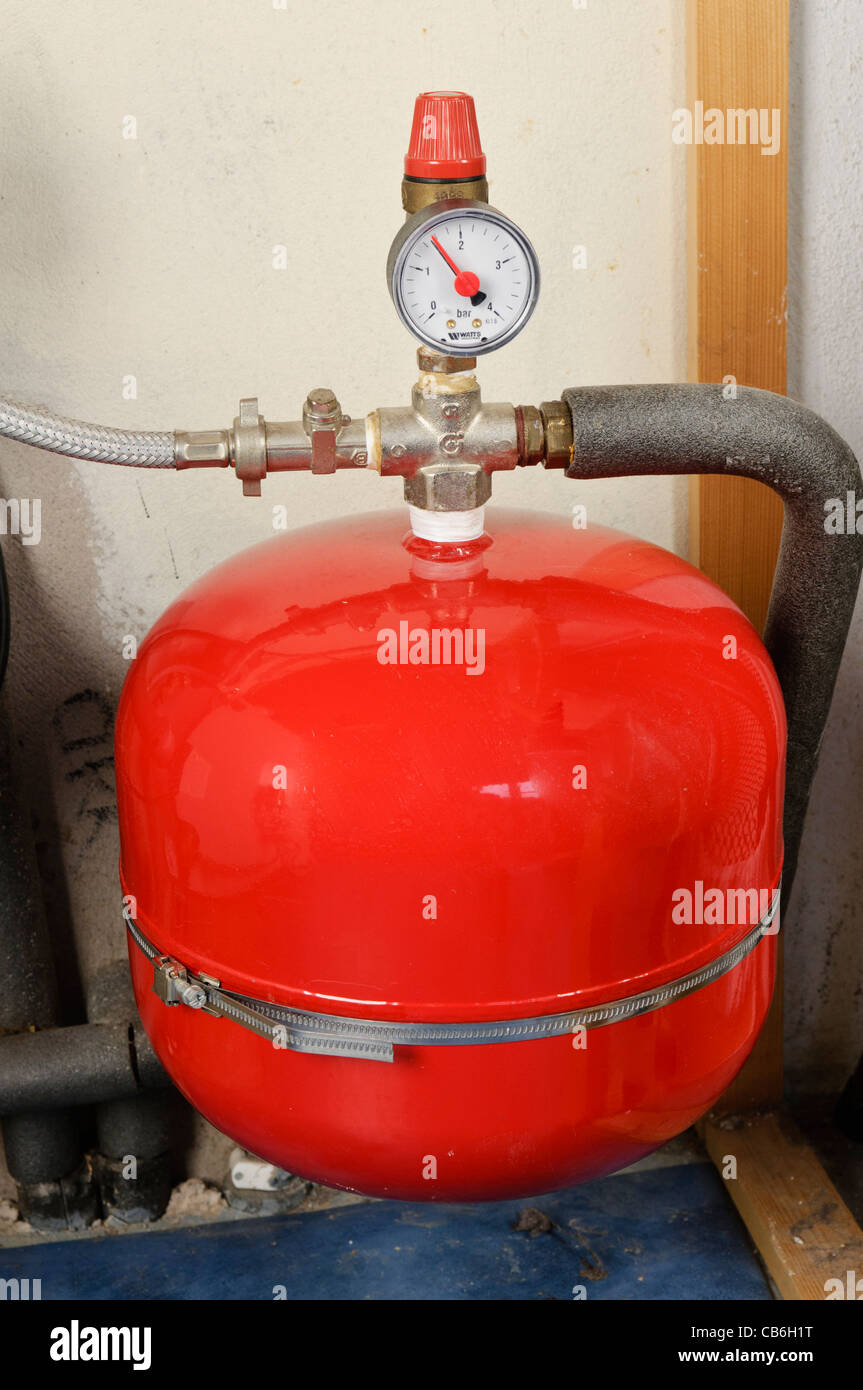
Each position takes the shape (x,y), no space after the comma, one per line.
(737,53)
(737,58)
(804,1231)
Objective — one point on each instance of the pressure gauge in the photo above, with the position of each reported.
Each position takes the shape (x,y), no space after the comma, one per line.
(464,279)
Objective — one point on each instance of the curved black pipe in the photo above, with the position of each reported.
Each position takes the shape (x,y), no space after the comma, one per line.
(636,430)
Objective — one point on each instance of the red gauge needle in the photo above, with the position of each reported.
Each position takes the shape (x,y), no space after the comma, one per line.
(466,283)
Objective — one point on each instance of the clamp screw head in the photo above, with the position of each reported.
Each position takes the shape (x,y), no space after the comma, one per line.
(190,994)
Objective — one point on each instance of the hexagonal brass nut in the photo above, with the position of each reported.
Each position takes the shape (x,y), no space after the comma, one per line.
(448,487)
(557,423)
(430,360)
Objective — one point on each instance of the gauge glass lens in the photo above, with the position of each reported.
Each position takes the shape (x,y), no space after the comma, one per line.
(466,281)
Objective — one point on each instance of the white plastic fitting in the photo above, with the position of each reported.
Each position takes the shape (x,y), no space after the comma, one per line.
(447,526)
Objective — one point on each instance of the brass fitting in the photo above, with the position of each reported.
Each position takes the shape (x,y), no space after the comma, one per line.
(419,193)
(447,428)
(322,420)
(429,360)
(557,428)
(202,448)
(530,434)
(448,487)
(249,447)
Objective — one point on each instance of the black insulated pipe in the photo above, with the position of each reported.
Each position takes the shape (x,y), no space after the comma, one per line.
(47,1072)
(133,1162)
(5,619)
(28,983)
(84,1064)
(625,431)
(43,1152)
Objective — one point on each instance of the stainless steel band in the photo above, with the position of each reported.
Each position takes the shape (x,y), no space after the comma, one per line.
(333,1035)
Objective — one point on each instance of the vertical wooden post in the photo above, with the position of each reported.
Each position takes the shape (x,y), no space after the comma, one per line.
(737,60)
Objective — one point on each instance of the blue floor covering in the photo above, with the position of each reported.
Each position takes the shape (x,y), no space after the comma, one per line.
(666,1233)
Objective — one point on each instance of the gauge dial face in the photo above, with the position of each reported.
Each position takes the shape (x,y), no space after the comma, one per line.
(463,278)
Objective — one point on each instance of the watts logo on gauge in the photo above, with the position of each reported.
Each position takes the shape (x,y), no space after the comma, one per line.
(463,277)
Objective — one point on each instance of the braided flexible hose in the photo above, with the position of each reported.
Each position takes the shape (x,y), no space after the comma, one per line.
(43,430)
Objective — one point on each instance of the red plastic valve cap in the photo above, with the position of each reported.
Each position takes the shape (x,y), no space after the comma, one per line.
(444,138)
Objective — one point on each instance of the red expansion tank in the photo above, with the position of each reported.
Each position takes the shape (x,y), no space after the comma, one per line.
(478,841)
